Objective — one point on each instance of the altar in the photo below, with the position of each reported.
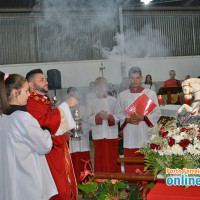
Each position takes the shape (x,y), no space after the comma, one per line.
(169,110)
(165,192)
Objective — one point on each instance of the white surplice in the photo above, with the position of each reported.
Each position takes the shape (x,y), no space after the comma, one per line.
(95,106)
(136,135)
(24,172)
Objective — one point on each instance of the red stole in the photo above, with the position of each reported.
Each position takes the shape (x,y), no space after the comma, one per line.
(59,159)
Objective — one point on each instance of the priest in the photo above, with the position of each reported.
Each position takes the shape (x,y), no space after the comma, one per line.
(58,120)
(136,127)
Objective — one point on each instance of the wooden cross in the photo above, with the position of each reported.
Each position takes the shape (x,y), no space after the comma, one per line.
(102,68)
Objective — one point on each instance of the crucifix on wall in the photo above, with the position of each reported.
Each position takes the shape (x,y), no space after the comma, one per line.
(101,69)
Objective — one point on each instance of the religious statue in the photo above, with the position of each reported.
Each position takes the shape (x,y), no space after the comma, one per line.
(187,113)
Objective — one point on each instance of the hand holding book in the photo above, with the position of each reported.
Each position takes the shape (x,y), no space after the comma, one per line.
(139,108)
(135,118)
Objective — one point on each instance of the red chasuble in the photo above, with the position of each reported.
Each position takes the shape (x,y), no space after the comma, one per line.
(59,159)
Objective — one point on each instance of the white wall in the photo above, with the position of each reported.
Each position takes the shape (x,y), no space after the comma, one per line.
(80,73)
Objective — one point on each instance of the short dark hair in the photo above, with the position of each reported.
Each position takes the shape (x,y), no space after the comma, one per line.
(31,73)
(71,89)
(134,70)
(172,70)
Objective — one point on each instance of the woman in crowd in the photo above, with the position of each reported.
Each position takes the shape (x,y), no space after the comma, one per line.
(24,171)
(148,84)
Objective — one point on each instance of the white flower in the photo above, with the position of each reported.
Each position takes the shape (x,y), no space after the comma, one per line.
(191,149)
(178,138)
(177,149)
(184,135)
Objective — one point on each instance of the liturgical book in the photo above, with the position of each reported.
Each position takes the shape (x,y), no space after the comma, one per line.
(143,105)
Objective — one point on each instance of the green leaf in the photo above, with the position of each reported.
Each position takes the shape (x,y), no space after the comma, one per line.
(134,194)
(120,185)
(132,186)
(104,194)
(151,185)
(88,188)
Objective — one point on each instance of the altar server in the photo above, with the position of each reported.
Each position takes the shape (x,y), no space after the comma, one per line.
(24,170)
(136,127)
(101,117)
(79,147)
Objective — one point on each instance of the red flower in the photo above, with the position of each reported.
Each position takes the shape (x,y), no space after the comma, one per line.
(183,129)
(162,130)
(184,143)
(155,146)
(198,136)
(171,141)
(164,134)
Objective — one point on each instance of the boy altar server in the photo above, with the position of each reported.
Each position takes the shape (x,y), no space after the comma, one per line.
(101,117)
(136,127)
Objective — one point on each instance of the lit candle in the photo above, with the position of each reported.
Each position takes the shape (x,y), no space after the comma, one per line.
(160,99)
(187,101)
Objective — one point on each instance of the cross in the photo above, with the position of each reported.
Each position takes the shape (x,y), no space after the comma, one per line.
(102,68)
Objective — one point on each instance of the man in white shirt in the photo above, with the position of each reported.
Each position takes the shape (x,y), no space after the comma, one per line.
(135,128)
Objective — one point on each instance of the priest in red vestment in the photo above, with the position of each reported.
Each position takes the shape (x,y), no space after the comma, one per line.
(59,120)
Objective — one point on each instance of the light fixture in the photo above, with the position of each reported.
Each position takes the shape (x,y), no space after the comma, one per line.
(146,1)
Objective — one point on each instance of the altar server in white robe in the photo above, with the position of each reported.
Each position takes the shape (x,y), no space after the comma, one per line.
(24,170)
(135,128)
(101,118)
(79,147)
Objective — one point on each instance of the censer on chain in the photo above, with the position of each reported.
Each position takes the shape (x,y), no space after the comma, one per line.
(78,121)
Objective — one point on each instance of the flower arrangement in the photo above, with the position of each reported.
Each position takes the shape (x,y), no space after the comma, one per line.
(105,189)
(172,147)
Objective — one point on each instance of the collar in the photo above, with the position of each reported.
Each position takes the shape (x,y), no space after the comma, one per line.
(43,99)
(138,90)
(17,107)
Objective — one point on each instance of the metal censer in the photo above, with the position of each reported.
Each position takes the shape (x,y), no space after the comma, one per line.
(78,121)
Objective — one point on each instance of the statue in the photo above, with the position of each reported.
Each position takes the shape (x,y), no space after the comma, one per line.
(186,113)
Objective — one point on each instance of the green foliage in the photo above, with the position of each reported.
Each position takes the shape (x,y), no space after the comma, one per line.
(88,188)
(156,163)
(110,190)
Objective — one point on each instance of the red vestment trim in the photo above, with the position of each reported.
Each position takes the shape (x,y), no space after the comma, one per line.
(98,119)
(111,120)
(138,90)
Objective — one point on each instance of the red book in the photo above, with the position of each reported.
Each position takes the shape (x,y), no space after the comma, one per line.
(143,105)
